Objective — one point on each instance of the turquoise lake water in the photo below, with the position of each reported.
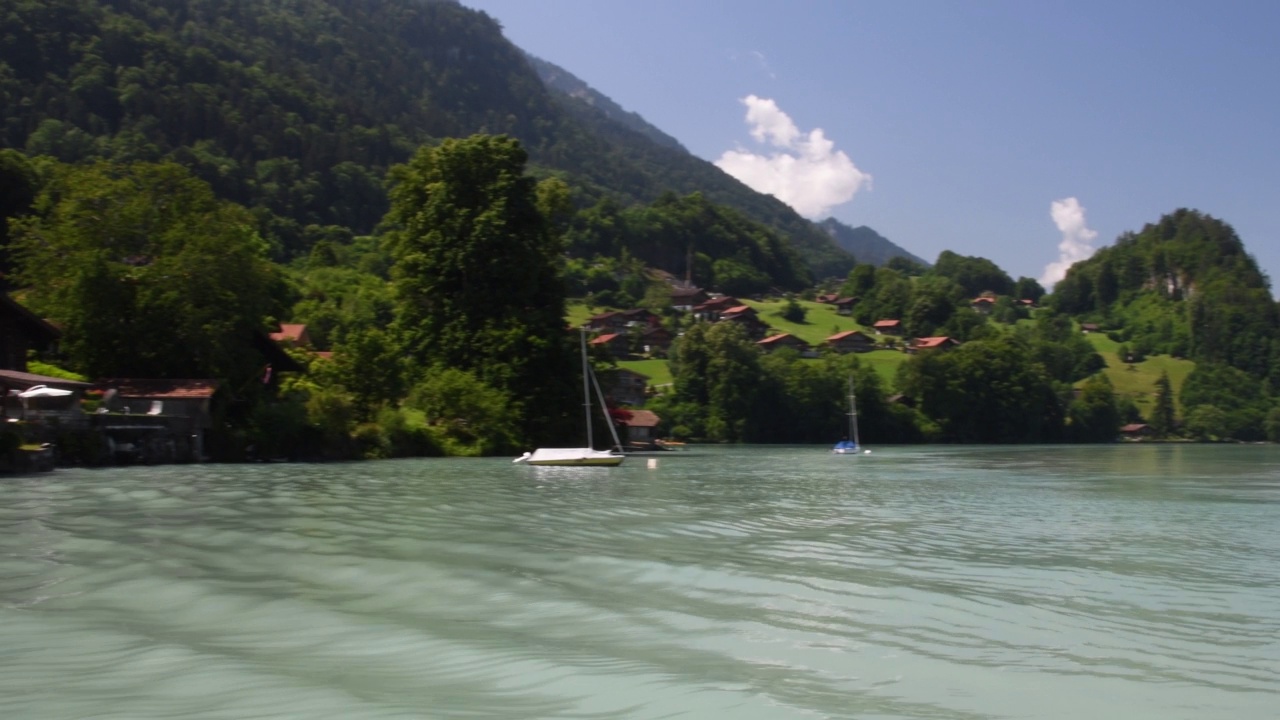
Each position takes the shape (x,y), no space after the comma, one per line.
(1127,581)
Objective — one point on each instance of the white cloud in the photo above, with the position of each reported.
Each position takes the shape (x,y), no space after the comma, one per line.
(804,170)
(1076,243)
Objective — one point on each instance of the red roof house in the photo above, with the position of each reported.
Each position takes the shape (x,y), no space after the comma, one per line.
(933,343)
(887,327)
(782,340)
(851,341)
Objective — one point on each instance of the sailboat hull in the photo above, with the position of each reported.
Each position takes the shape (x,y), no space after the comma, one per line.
(572,457)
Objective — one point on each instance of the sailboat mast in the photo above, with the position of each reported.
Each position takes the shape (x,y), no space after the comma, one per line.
(853,414)
(586,386)
(613,431)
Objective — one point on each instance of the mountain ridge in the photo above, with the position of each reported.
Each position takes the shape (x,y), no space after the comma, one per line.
(865,244)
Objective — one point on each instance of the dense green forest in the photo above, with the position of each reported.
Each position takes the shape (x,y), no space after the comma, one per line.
(297,110)
(178,176)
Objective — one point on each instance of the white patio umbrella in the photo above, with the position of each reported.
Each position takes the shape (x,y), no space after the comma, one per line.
(39,391)
(43,391)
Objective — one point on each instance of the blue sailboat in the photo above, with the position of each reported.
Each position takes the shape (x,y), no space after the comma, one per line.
(848,446)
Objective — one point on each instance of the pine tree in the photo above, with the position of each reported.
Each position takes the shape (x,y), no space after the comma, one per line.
(1162,416)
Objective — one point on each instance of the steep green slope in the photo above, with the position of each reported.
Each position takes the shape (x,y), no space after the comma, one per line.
(297,109)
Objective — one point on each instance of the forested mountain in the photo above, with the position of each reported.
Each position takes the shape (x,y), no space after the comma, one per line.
(865,244)
(1183,286)
(296,110)
(565,82)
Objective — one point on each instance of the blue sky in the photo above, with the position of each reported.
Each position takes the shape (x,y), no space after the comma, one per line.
(1028,133)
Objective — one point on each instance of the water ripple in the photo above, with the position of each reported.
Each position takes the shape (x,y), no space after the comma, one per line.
(731,582)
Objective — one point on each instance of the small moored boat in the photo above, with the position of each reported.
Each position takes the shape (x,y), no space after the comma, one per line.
(584,456)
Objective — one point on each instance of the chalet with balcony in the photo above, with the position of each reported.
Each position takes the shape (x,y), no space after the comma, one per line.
(851,341)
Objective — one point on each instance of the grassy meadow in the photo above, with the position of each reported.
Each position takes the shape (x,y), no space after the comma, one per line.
(1138,380)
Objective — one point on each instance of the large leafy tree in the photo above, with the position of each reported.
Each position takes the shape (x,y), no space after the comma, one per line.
(1163,416)
(1228,396)
(718,382)
(477,277)
(988,391)
(1094,416)
(975,274)
(147,272)
(18,184)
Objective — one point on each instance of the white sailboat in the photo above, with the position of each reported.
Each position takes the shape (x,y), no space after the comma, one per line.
(851,446)
(584,456)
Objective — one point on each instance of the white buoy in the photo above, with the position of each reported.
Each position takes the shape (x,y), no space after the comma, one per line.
(653,463)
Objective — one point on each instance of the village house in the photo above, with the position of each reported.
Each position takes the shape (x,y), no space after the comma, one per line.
(641,318)
(686,298)
(616,321)
(657,341)
(851,341)
(627,387)
(712,309)
(618,344)
(983,304)
(887,327)
(641,429)
(746,316)
(932,343)
(292,335)
(1137,431)
(844,305)
(774,342)
(606,322)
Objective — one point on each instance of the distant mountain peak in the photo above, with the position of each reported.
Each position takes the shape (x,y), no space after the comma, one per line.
(865,244)
(565,82)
